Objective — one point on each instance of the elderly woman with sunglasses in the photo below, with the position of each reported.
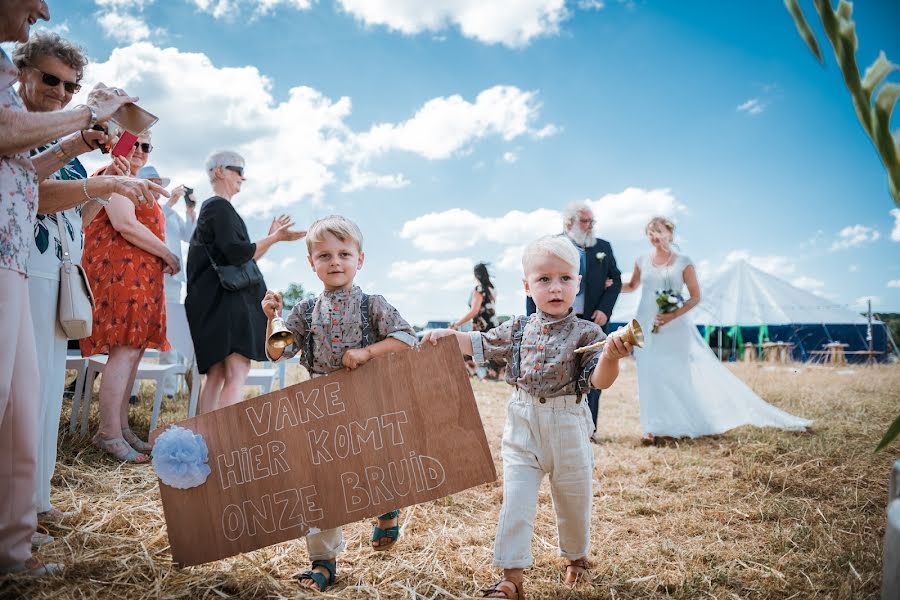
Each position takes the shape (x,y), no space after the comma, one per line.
(49,71)
(126,257)
(20,131)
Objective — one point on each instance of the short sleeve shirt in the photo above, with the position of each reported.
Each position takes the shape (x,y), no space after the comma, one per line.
(337,326)
(548,365)
(18,185)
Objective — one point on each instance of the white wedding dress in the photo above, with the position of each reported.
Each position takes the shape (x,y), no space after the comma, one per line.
(684,390)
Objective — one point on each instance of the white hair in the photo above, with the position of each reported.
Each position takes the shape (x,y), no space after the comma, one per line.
(558,246)
(572,210)
(223,158)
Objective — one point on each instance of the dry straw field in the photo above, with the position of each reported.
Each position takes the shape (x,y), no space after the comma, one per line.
(749,514)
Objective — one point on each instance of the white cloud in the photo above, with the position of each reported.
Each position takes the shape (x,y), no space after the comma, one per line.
(297,148)
(854,235)
(233,9)
(510,157)
(513,23)
(753,106)
(895,232)
(124,27)
(894,283)
(780,266)
(808,283)
(590,4)
(448,125)
(619,217)
(431,274)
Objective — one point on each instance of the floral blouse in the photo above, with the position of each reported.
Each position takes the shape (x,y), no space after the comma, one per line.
(548,365)
(18,186)
(337,327)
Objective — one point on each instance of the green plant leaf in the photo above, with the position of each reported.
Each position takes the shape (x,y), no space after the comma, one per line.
(877,71)
(889,436)
(804,29)
(887,98)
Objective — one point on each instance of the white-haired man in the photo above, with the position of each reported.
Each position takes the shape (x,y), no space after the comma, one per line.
(595,300)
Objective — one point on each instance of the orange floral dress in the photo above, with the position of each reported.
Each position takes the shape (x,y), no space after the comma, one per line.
(129,307)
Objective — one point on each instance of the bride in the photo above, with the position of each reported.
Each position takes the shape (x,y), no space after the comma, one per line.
(684,390)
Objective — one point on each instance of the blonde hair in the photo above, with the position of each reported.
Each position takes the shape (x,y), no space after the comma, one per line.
(558,246)
(340,227)
(663,228)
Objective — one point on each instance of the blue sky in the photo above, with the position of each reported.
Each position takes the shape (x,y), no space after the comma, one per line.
(456,130)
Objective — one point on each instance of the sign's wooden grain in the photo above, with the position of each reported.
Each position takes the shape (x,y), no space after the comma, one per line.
(400,430)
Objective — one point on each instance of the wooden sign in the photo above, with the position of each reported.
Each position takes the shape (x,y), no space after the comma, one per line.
(400,430)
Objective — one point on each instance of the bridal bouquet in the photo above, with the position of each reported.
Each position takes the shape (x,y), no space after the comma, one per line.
(667,301)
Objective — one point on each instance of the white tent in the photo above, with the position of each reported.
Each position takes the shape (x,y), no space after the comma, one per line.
(745,295)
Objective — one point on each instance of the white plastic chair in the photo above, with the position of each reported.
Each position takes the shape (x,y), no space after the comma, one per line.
(264,377)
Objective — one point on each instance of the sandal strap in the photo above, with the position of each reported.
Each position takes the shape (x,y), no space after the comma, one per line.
(320,580)
(390,532)
(579,563)
(505,591)
(130,455)
(328,565)
(390,515)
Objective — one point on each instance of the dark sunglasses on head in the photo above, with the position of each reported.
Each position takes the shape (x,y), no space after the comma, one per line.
(145,147)
(52,80)
(238,170)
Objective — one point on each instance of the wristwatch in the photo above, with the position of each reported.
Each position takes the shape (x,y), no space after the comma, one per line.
(93,114)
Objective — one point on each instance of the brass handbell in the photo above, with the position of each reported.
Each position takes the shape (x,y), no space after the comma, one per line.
(281,336)
(632,333)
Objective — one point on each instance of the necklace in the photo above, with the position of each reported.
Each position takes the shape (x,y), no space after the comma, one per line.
(665,263)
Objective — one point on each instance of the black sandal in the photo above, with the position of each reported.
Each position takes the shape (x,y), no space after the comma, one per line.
(391,533)
(318,578)
(495,589)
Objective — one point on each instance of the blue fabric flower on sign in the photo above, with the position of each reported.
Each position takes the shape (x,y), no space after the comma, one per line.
(180,458)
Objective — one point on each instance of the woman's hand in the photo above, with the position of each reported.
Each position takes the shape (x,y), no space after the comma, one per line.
(663,318)
(452,326)
(615,348)
(271,304)
(139,191)
(173,264)
(119,166)
(281,229)
(356,357)
(105,100)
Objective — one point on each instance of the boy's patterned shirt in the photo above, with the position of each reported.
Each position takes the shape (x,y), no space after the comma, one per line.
(337,327)
(548,364)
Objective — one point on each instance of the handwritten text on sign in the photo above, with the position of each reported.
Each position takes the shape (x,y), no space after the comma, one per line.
(331,451)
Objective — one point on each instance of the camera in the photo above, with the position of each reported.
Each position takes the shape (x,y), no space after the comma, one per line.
(188,192)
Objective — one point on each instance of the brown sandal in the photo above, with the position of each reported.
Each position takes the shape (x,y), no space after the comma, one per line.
(580,567)
(510,593)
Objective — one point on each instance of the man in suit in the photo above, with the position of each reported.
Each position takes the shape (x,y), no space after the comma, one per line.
(595,300)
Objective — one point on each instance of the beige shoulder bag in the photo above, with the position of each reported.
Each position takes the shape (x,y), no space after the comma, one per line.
(76,301)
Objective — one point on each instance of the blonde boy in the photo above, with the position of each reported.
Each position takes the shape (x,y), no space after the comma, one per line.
(548,423)
(343,327)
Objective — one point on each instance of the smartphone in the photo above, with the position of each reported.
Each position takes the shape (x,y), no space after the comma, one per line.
(133,118)
(104,148)
(125,144)
(188,192)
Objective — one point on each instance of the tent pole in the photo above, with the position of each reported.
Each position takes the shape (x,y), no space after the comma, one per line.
(870,358)
(720,344)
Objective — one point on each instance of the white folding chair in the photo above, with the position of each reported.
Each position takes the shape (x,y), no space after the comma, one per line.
(263,377)
(79,364)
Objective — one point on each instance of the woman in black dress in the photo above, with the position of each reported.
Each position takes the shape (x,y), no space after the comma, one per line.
(481,310)
(228,327)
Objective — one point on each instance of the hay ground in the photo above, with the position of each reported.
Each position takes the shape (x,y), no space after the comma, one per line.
(749,514)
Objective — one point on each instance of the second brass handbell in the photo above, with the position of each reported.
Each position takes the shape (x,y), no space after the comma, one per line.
(281,336)
(632,333)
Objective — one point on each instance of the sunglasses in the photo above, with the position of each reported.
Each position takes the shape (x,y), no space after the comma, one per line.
(238,170)
(145,147)
(52,80)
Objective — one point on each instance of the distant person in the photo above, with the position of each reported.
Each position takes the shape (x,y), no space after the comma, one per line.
(482,314)
(684,390)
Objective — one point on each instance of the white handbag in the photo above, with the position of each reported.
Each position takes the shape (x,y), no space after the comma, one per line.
(76,301)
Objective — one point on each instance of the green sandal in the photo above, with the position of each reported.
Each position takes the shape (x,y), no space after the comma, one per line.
(321,582)
(391,533)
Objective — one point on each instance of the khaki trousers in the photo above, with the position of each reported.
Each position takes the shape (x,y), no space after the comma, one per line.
(545,436)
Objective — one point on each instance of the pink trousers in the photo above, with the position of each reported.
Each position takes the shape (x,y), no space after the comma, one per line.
(19,412)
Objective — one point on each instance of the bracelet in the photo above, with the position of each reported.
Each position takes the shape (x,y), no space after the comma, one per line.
(96,199)
(59,153)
